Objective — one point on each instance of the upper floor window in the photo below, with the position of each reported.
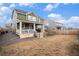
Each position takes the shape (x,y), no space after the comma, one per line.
(21,16)
(31,18)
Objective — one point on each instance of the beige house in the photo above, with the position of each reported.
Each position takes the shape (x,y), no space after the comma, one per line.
(53,25)
(25,24)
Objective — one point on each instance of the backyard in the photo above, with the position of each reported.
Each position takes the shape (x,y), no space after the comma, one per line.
(55,45)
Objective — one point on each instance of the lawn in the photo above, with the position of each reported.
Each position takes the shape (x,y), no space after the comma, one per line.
(56,45)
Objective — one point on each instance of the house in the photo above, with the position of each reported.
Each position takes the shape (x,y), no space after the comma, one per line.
(53,25)
(26,24)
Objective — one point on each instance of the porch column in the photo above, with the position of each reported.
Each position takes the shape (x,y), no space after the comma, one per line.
(43,28)
(20,27)
(34,27)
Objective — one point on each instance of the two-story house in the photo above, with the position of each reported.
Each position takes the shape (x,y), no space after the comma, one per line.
(25,24)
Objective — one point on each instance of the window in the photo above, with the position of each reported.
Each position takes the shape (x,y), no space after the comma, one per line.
(39,26)
(33,18)
(29,17)
(21,16)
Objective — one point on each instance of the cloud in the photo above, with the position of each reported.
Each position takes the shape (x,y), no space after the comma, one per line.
(1,17)
(26,4)
(66,3)
(5,13)
(4,10)
(56,17)
(56,5)
(1,4)
(73,19)
(12,5)
(49,7)
(71,22)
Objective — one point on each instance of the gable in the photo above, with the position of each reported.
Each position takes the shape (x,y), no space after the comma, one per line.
(29,16)
(32,17)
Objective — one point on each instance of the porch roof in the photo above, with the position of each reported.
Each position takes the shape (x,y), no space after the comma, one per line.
(31,22)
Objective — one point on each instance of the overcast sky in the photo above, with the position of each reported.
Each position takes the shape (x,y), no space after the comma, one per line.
(65,13)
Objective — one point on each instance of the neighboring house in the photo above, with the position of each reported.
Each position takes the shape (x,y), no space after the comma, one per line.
(51,24)
(25,24)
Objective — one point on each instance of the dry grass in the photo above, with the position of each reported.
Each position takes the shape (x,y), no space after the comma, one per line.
(66,32)
(51,45)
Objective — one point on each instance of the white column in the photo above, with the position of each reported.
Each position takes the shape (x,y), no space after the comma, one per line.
(29,28)
(42,31)
(16,26)
(34,27)
(43,28)
(20,27)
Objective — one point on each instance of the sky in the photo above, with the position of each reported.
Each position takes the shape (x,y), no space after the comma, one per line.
(66,13)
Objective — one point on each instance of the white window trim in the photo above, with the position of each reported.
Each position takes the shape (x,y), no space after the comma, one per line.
(31,18)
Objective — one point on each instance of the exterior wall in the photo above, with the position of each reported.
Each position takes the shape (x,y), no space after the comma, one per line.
(38,19)
(14,21)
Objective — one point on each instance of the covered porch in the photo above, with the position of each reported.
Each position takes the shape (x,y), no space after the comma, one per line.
(25,29)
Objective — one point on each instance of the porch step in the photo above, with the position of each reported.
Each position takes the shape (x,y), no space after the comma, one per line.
(39,35)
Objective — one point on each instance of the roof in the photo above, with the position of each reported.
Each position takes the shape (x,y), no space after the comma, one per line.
(27,12)
(18,10)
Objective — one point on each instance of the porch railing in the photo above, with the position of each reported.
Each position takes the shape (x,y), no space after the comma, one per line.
(28,31)
(24,31)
